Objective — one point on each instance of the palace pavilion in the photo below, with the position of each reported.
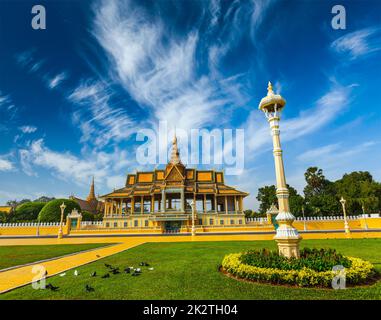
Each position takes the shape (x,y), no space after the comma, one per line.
(162,199)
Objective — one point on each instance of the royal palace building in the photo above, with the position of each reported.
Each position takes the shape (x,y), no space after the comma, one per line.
(162,199)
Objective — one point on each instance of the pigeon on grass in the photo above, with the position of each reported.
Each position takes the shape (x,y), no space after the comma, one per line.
(51,287)
(89,288)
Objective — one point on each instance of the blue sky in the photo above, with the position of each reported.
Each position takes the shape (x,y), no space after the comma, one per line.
(73,96)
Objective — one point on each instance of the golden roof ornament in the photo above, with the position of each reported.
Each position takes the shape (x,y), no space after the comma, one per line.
(270,89)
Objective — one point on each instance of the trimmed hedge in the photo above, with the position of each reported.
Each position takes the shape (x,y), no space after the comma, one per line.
(315,259)
(52,211)
(359,272)
(27,211)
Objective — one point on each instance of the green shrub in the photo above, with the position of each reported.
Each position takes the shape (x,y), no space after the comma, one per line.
(4,217)
(314,259)
(51,212)
(27,211)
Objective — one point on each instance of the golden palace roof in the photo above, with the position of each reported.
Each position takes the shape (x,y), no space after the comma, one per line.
(175,174)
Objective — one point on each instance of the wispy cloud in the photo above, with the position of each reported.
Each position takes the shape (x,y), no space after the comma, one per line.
(8,111)
(159,70)
(28,129)
(63,165)
(76,169)
(100,122)
(317,153)
(326,109)
(335,155)
(27,59)
(358,43)
(57,80)
(6,165)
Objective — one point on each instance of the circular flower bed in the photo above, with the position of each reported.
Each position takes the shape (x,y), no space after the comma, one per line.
(314,268)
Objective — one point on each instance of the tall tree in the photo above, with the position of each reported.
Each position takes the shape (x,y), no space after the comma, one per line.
(44,199)
(320,194)
(360,191)
(267,196)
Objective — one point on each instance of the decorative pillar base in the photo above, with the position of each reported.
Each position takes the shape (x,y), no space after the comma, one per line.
(288,247)
(287,237)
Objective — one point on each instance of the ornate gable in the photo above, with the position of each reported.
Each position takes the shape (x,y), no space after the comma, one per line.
(174,175)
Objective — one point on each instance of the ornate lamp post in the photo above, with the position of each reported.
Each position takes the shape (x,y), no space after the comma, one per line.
(60,233)
(346,226)
(193,215)
(287,237)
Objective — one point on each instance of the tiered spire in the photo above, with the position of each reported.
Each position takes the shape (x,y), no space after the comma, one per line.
(91,195)
(175,154)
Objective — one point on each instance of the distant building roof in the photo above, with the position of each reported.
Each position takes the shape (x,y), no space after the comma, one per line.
(7,209)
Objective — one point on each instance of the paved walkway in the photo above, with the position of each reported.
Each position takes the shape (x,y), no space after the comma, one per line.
(17,277)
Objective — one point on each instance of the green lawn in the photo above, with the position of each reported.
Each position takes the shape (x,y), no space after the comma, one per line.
(189,271)
(17,255)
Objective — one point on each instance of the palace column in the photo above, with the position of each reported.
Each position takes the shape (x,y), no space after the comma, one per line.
(182,200)
(215,203)
(152,203)
(132,204)
(163,200)
(235,204)
(121,207)
(142,205)
(226,204)
(204,203)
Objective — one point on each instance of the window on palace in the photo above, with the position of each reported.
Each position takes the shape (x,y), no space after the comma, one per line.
(115,224)
(136,223)
(146,223)
(230,201)
(176,204)
(221,204)
(188,205)
(156,205)
(231,221)
(125,224)
(107,225)
(209,203)
(199,221)
(240,221)
(138,206)
(200,204)
(211,221)
(221,221)
(146,206)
